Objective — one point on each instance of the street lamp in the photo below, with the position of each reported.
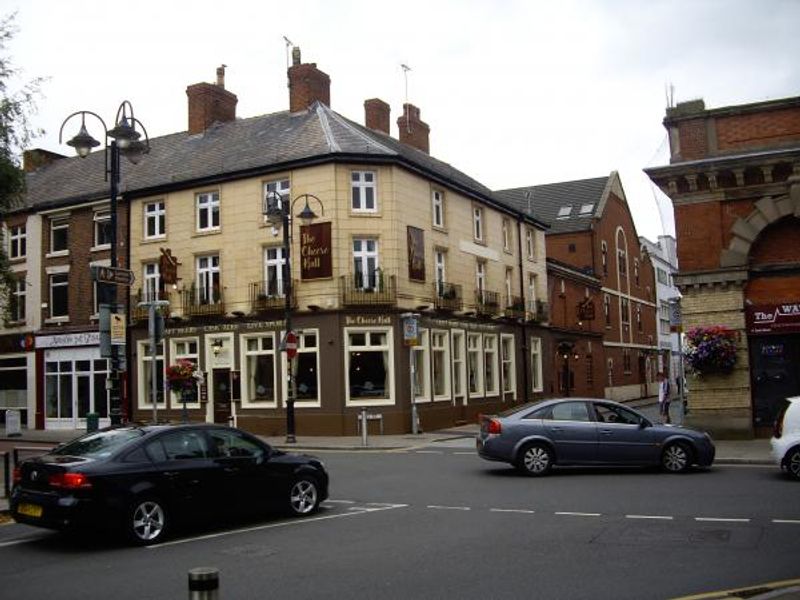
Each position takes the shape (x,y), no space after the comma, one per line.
(122,139)
(276,210)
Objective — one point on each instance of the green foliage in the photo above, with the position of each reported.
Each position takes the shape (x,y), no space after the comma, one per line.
(15,134)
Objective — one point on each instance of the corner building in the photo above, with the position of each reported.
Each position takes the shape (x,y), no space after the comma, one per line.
(734,180)
(396,231)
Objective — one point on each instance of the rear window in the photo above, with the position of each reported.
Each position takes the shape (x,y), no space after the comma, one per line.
(100,444)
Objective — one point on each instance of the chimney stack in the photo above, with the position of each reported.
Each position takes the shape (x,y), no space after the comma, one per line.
(377,115)
(413,131)
(210,103)
(36,158)
(307,84)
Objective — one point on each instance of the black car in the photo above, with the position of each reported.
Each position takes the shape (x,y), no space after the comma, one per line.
(142,479)
(588,431)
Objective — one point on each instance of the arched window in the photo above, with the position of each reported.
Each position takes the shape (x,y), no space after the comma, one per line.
(604,257)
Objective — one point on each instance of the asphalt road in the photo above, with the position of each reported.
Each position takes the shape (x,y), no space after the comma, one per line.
(441,523)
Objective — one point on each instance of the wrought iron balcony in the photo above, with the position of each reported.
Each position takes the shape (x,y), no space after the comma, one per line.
(538,311)
(487,303)
(140,313)
(271,295)
(515,307)
(202,302)
(368,289)
(447,296)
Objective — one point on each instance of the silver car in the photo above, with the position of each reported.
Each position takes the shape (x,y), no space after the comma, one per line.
(587,431)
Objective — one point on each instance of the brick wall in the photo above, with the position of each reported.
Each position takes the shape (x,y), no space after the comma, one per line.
(693,139)
(757,130)
(778,243)
(699,234)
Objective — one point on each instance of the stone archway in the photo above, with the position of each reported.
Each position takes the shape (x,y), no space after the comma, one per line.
(745,231)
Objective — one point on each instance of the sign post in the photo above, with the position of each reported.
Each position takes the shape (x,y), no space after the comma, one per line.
(411,339)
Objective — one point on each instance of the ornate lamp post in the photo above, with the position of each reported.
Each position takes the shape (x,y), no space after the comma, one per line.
(278,210)
(122,139)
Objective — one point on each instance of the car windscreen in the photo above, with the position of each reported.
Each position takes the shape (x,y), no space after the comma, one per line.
(100,444)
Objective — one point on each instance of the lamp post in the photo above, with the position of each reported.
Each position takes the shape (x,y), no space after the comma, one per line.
(122,139)
(278,210)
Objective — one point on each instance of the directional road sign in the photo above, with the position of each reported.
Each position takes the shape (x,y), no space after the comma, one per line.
(113,275)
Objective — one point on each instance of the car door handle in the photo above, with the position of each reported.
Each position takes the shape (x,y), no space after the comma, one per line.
(606,432)
(556,429)
(170,473)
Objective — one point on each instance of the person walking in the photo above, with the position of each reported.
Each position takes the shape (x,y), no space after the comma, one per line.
(663,397)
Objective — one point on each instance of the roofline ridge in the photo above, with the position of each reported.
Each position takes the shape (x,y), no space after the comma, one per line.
(349,126)
(319,109)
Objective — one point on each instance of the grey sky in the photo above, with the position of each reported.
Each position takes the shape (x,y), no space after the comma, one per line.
(515,93)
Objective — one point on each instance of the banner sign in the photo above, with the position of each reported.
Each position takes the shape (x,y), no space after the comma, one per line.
(773,318)
(315,251)
(416,253)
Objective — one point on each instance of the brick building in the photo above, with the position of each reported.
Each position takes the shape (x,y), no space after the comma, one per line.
(592,232)
(734,180)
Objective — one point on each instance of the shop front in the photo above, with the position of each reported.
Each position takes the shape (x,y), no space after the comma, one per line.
(774,340)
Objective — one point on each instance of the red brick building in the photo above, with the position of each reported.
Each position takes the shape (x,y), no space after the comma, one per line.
(592,232)
(734,180)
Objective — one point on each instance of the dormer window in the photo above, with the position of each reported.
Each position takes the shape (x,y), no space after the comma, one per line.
(564,212)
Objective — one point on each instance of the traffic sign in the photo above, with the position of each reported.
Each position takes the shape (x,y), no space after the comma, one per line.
(290,344)
(114,275)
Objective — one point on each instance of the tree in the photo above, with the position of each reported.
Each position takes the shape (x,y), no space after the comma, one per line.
(16,106)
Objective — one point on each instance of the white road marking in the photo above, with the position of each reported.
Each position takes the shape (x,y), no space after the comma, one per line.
(340,501)
(273,526)
(579,514)
(662,517)
(787,521)
(512,510)
(465,453)
(429,452)
(19,541)
(438,507)
(721,520)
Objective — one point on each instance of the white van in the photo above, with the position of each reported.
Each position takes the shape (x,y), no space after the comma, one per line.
(786,441)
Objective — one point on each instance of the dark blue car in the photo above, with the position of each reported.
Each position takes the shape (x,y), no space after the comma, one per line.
(587,431)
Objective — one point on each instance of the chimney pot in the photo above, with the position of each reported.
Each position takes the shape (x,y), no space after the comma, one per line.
(413,131)
(296,55)
(221,76)
(307,84)
(209,103)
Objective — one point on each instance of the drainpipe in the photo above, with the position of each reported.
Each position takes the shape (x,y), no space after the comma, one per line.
(524,327)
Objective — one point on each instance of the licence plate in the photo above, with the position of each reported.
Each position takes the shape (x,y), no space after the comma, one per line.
(30,510)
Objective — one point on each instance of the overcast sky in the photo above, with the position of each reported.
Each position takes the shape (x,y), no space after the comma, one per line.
(515,92)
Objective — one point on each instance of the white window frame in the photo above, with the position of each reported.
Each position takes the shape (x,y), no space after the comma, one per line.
(20,294)
(440,271)
(244,353)
(509,283)
(143,384)
(458,345)
(156,213)
(362,255)
(421,356)
(361,182)
(390,364)
(101,218)
(506,234)
(480,277)
(537,385)
(151,281)
(530,243)
(282,187)
(178,350)
(437,207)
(477,223)
(440,345)
(57,224)
(278,266)
(205,278)
(508,365)
(50,288)
(491,361)
(208,203)
(476,350)
(532,292)
(303,348)
(17,242)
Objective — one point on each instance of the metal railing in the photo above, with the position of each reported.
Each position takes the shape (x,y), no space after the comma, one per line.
(538,311)
(270,295)
(515,307)
(140,313)
(374,289)
(201,303)
(487,303)
(447,296)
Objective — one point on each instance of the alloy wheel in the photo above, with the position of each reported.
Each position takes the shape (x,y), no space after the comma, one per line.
(676,458)
(303,497)
(536,460)
(149,520)
(793,464)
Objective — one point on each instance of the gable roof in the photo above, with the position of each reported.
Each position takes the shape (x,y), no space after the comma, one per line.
(242,148)
(585,199)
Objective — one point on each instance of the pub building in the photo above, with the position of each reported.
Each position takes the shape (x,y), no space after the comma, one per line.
(374,229)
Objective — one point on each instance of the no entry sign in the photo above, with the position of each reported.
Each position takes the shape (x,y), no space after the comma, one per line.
(290,344)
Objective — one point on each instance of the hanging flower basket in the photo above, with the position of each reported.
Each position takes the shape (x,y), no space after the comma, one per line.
(711,349)
(181,377)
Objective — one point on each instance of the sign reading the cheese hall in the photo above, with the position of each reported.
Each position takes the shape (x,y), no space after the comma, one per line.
(315,251)
(773,318)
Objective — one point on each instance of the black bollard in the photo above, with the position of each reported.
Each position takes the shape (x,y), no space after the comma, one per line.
(204,583)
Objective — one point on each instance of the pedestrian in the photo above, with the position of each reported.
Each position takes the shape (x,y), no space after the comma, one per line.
(663,397)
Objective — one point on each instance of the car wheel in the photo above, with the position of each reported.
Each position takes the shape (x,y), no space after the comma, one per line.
(792,463)
(676,458)
(303,496)
(147,521)
(535,459)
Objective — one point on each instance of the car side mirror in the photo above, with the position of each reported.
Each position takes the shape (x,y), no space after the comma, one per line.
(644,424)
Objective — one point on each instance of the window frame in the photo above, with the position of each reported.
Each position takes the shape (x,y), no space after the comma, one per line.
(387,348)
(208,203)
(359,186)
(537,385)
(303,348)
(101,220)
(245,353)
(51,285)
(158,216)
(17,242)
(57,224)
(437,208)
(491,361)
(479,367)
(423,392)
(478,224)
(143,385)
(440,344)
(17,298)
(205,278)
(508,361)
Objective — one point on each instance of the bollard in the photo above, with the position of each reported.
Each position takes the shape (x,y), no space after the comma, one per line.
(204,583)
(364,427)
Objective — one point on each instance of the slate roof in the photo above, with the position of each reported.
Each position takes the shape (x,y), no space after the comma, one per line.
(546,201)
(241,148)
